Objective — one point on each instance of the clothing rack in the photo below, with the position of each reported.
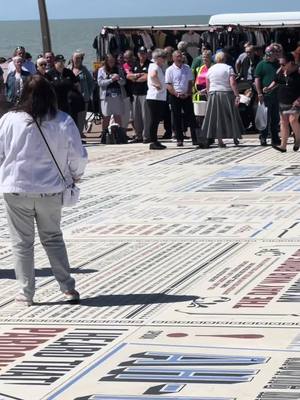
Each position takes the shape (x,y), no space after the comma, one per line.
(117,39)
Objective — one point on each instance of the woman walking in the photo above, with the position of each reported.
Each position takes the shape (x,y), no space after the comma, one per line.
(288,82)
(32,185)
(222,119)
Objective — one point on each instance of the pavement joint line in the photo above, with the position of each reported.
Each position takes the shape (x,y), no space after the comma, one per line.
(170,158)
(187,277)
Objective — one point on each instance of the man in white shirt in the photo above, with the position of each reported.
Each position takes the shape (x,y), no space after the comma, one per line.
(179,81)
(27,64)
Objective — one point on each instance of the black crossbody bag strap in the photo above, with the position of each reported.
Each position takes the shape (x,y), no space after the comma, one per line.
(50,151)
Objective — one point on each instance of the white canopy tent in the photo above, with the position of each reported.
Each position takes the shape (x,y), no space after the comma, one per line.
(268,20)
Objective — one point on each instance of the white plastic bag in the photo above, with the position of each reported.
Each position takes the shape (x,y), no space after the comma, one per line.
(261,117)
(71,195)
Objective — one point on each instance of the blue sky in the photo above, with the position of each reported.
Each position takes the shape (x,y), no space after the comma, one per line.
(60,9)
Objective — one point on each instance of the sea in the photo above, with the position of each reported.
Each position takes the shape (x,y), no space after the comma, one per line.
(66,37)
(71,34)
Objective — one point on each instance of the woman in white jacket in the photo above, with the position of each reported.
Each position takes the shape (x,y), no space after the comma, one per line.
(32,185)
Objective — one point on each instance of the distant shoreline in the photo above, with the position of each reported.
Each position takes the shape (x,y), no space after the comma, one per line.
(204,17)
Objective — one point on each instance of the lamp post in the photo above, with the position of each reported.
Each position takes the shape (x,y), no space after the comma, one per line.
(46,39)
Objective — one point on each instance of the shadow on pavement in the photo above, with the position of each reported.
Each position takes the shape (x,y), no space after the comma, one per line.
(114,300)
(43,272)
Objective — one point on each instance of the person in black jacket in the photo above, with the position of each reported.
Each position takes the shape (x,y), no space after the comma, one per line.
(66,86)
(288,81)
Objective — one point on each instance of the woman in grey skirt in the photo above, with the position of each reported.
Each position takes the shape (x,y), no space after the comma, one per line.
(111,82)
(222,119)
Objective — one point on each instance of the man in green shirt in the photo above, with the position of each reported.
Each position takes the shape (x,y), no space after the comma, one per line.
(265,73)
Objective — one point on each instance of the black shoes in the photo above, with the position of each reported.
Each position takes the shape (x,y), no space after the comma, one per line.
(136,140)
(167,135)
(276,142)
(179,144)
(279,149)
(296,147)
(145,141)
(157,146)
(236,142)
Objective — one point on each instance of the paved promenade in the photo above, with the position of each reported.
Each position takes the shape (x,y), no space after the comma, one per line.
(188,264)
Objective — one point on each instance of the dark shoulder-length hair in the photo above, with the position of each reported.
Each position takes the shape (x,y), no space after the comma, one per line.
(38,98)
(107,67)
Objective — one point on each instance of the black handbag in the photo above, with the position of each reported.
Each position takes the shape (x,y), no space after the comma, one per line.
(115,134)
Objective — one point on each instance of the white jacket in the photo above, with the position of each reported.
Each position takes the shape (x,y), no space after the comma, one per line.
(25,162)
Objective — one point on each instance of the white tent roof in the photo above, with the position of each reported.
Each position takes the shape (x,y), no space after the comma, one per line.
(275,19)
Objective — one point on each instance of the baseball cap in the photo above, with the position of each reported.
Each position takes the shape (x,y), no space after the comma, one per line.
(142,49)
(59,57)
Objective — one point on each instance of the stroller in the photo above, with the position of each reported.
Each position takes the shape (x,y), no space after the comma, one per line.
(93,115)
(246,106)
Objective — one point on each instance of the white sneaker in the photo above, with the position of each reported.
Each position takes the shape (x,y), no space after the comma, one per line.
(21,299)
(72,296)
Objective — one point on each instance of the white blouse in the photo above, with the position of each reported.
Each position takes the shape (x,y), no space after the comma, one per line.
(25,162)
(218,76)
(153,93)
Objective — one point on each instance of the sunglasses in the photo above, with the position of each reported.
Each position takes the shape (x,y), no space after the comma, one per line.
(43,65)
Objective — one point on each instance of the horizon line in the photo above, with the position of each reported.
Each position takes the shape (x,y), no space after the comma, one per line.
(136,16)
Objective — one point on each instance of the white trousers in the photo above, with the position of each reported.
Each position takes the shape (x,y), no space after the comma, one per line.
(44,209)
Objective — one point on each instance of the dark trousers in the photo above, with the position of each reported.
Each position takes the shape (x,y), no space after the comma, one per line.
(155,110)
(186,105)
(271,102)
(167,119)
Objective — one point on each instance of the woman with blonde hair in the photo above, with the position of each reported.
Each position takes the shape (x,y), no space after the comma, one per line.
(222,119)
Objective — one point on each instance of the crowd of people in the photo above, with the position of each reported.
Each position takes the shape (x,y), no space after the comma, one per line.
(215,95)
(43,113)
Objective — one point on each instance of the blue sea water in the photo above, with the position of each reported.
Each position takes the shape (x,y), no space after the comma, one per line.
(69,35)
(66,35)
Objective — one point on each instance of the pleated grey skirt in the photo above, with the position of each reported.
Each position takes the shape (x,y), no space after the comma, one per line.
(112,106)
(222,119)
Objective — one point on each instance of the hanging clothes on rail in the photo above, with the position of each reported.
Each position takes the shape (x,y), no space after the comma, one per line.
(193,40)
(148,42)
